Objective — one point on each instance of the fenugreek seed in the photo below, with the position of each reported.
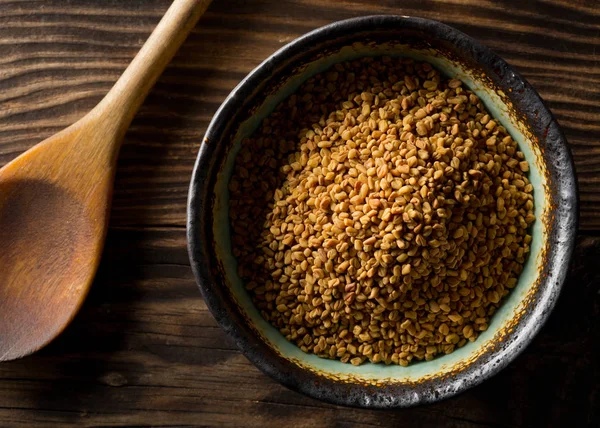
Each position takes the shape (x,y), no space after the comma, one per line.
(524,165)
(370,241)
(467,331)
(356,361)
(405,190)
(444,329)
(454,83)
(452,338)
(420,114)
(387,229)
(444,307)
(493,297)
(402,258)
(422,129)
(455,318)
(349,297)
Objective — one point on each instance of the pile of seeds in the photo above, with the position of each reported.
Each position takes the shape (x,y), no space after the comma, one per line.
(380,214)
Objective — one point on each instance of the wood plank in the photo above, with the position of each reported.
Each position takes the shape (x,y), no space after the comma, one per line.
(57,61)
(145,350)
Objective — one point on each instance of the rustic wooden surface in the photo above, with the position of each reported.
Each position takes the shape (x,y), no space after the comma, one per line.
(145,350)
(74,171)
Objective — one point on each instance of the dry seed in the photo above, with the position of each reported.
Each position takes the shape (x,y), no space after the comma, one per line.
(374,231)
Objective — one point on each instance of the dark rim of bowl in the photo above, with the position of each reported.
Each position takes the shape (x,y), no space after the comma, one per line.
(562,230)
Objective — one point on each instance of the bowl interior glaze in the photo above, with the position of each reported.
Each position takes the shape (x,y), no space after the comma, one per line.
(255,100)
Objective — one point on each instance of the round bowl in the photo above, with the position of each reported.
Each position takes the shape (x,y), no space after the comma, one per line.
(507,96)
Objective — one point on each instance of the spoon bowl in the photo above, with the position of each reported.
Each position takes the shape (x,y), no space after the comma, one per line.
(28,211)
(54,206)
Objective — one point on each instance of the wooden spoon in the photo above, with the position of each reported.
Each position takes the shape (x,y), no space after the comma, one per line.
(55,200)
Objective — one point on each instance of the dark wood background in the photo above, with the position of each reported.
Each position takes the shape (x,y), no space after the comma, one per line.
(144,350)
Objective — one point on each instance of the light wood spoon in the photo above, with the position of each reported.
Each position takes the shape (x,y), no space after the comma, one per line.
(55,200)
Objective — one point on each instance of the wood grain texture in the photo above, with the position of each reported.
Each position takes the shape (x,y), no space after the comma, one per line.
(58,58)
(55,199)
(144,350)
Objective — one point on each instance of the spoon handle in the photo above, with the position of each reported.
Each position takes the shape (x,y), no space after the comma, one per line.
(120,105)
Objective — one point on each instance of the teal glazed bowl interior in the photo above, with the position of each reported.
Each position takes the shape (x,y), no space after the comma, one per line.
(507,96)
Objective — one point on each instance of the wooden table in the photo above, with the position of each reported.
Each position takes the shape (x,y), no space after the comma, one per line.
(144,350)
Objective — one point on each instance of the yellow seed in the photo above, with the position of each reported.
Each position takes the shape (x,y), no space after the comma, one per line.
(380,224)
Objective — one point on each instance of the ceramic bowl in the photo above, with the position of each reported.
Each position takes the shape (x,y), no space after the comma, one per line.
(506,95)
